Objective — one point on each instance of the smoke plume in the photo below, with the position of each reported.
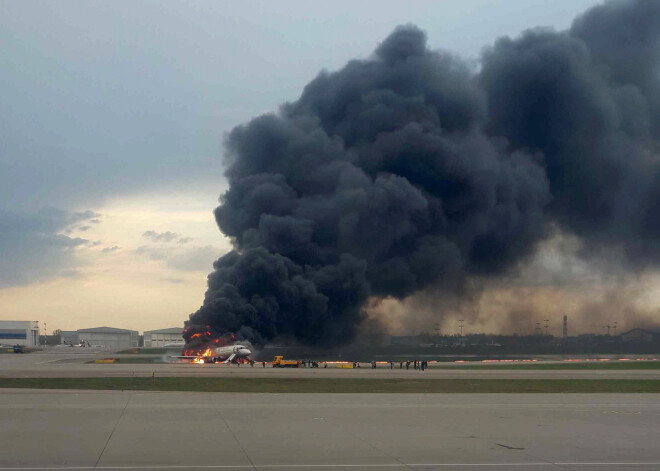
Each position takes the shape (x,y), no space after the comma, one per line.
(410,173)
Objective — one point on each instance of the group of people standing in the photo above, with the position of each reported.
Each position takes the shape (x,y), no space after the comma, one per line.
(417,364)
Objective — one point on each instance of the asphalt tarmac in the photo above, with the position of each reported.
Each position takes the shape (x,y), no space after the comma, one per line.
(73,365)
(69,430)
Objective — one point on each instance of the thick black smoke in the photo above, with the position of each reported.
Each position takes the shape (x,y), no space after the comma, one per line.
(589,100)
(408,170)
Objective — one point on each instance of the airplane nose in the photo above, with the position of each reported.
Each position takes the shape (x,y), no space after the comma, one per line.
(246,351)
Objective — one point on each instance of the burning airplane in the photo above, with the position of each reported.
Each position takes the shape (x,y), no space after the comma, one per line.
(205,347)
(217,354)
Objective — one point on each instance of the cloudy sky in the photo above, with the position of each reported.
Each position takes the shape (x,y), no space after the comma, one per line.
(112,117)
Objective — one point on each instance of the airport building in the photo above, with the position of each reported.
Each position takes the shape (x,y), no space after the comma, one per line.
(24,333)
(109,338)
(162,337)
(69,337)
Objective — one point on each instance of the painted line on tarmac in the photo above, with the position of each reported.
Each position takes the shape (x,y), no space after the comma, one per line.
(322,466)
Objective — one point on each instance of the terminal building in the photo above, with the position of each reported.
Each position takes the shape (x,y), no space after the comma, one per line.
(24,333)
(162,337)
(109,338)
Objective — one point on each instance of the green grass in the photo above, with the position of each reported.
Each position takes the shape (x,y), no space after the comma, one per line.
(347,385)
(591,365)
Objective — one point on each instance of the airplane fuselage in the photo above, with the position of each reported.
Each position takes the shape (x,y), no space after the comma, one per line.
(230,352)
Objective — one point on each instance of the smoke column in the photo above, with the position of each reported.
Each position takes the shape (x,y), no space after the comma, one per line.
(409,171)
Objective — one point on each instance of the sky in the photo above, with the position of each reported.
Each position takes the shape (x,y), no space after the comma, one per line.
(112,118)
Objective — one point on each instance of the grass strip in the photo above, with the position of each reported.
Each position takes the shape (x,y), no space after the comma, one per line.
(341,385)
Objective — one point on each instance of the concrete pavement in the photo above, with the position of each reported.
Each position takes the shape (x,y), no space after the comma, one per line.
(147,430)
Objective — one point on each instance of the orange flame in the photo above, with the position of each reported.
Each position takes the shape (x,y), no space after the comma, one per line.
(202,356)
(199,334)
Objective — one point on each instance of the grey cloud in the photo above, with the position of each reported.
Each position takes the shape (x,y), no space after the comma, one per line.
(193,258)
(70,274)
(114,248)
(185,240)
(86,216)
(167,236)
(175,281)
(99,115)
(196,258)
(46,219)
(153,253)
(33,249)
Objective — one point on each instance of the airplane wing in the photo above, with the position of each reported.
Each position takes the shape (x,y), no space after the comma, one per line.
(228,360)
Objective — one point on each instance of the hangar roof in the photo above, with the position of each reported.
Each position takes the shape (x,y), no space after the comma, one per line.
(171,330)
(106,330)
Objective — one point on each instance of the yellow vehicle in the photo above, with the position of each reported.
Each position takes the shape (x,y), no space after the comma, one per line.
(280,362)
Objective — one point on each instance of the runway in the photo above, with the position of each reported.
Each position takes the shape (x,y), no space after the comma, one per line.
(157,431)
(73,365)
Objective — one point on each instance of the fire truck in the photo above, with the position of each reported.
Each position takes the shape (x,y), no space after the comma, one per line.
(280,362)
